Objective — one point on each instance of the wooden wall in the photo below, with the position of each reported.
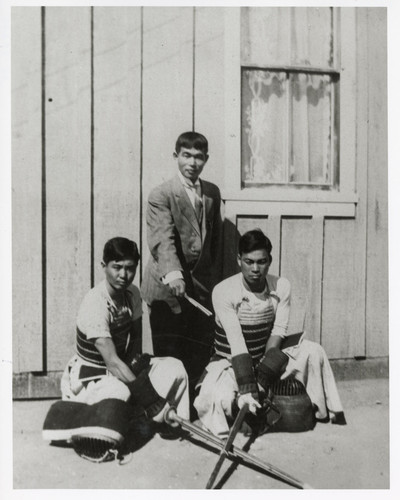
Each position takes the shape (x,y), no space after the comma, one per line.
(99,96)
(27,153)
(376,194)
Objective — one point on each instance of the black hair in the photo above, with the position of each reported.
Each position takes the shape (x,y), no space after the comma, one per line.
(192,140)
(254,240)
(120,248)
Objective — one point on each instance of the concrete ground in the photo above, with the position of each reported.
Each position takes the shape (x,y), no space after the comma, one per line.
(355,456)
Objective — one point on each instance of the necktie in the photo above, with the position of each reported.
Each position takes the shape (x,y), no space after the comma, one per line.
(198,203)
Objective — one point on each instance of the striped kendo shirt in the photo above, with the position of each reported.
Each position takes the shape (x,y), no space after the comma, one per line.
(99,317)
(244,320)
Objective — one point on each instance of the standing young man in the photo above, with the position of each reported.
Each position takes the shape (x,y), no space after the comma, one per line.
(184,233)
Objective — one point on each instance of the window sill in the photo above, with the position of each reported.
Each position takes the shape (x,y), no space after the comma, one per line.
(265,202)
(282,194)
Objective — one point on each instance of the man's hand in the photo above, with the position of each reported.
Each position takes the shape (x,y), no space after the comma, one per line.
(248,398)
(160,416)
(177,287)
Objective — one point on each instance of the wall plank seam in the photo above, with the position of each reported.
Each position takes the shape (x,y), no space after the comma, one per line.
(322,277)
(92,257)
(141,232)
(363,15)
(280,246)
(43,194)
(367,187)
(194,70)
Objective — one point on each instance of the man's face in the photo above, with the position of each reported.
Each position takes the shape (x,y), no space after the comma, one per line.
(254,266)
(120,274)
(191,162)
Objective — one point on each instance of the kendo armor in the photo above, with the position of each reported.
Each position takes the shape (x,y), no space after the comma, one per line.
(95,431)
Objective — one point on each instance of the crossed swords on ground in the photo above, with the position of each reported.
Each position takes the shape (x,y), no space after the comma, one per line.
(228,450)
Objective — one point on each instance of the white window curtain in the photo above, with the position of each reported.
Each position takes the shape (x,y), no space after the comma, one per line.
(264,100)
(288,116)
(311,124)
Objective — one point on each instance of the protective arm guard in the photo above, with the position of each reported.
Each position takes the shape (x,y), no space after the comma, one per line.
(271,367)
(242,365)
(144,394)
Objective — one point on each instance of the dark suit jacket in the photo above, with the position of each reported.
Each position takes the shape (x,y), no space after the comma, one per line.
(176,240)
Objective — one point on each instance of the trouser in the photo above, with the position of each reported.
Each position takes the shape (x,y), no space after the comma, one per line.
(167,375)
(308,363)
(187,336)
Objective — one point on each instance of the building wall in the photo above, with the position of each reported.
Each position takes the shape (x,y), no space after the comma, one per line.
(99,96)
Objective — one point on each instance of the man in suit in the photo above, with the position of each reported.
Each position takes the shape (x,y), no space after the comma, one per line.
(184,233)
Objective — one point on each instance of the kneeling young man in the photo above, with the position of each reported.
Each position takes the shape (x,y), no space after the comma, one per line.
(252,316)
(109,339)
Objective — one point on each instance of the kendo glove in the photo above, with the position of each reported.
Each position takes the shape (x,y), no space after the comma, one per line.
(139,363)
(144,395)
(271,367)
(242,365)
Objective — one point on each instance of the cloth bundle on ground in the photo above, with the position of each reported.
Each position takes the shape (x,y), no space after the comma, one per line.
(95,431)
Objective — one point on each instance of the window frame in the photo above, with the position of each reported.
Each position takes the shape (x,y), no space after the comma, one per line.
(289,71)
(345,197)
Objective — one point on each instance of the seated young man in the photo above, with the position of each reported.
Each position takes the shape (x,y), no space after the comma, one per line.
(252,316)
(108,362)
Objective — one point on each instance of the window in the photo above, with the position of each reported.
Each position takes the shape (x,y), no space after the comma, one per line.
(289,97)
(290,109)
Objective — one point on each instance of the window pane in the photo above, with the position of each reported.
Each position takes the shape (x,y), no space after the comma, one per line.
(286,36)
(265,35)
(264,126)
(312,127)
(312,36)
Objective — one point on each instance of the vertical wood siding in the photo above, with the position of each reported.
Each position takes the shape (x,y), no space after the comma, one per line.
(377,222)
(209,117)
(341,335)
(167,92)
(68,146)
(167,104)
(361,180)
(117,127)
(317,255)
(119,85)
(297,265)
(27,189)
